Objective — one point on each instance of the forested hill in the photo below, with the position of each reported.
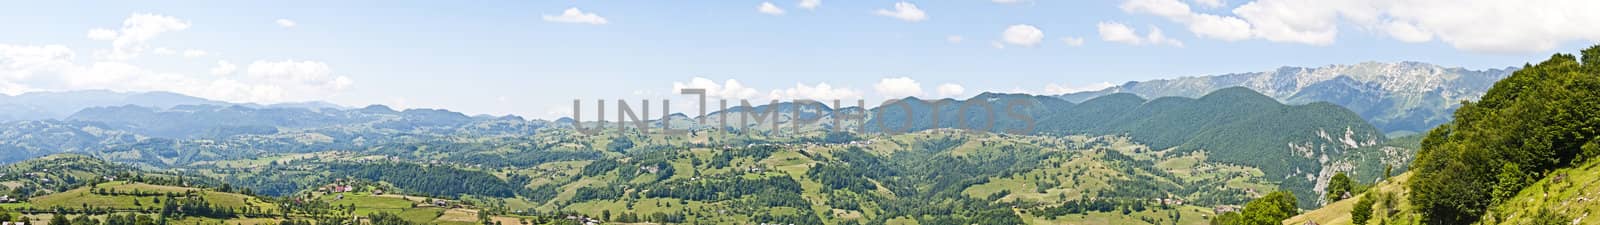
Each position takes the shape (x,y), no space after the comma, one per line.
(1398,97)
(1543,118)
(1236,125)
(1301,144)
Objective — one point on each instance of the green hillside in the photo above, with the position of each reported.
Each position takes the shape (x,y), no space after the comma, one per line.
(1232,125)
(1524,154)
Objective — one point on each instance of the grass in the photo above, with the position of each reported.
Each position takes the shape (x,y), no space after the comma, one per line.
(368,204)
(1573,197)
(80,197)
(1186,215)
(1338,213)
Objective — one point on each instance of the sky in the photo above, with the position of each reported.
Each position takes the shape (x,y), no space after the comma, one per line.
(534,57)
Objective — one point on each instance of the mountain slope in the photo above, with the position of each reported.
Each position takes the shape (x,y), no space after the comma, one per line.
(1405,97)
(1300,146)
(59,105)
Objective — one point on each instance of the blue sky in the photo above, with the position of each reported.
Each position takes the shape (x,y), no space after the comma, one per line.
(506,57)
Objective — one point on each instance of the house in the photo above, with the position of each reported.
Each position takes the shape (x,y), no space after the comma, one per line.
(377,191)
(1225,209)
(440,203)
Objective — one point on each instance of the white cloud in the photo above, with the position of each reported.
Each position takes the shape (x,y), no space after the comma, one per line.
(1226,28)
(820,92)
(810,4)
(904,11)
(54,68)
(575,15)
(191,53)
(308,73)
(1211,3)
(898,87)
(1120,33)
(223,68)
(954,39)
(1471,25)
(769,9)
(950,90)
(285,23)
(729,89)
(1073,41)
(1406,32)
(1022,35)
(25,68)
(102,34)
(164,51)
(1008,1)
(129,41)
(1056,89)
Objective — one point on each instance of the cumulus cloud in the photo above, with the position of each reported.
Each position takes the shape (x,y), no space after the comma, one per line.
(1073,41)
(1211,3)
(1120,33)
(1494,26)
(285,23)
(904,11)
(954,39)
(164,51)
(729,89)
(575,15)
(819,92)
(1226,28)
(769,9)
(311,73)
(810,4)
(1056,89)
(1022,35)
(191,53)
(54,67)
(223,68)
(129,41)
(950,90)
(896,87)
(25,68)
(102,34)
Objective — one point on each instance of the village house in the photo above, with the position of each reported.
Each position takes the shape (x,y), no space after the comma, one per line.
(1225,209)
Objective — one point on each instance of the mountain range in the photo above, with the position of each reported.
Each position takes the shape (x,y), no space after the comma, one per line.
(1399,98)
(60,105)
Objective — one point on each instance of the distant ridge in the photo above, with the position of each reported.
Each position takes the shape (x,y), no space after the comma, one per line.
(1398,98)
(59,105)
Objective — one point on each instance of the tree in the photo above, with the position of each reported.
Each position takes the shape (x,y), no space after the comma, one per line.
(1271,209)
(1362,211)
(59,219)
(1539,119)
(1339,186)
(1388,171)
(1230,218)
